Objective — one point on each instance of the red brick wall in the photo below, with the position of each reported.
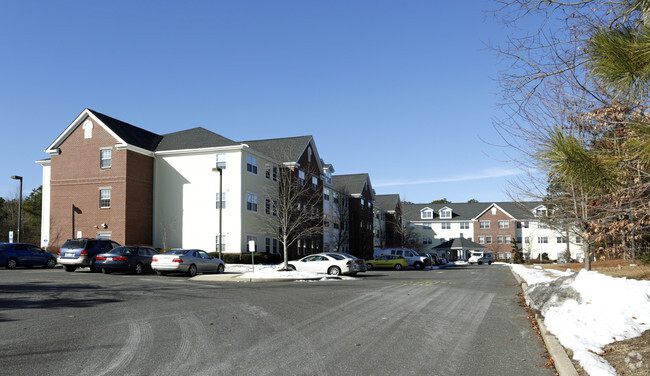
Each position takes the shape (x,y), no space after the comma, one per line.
(494,231)
(76,179)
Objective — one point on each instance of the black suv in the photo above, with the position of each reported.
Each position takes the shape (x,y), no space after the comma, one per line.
(75,253)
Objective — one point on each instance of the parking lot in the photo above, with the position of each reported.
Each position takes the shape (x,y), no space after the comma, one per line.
(453,321)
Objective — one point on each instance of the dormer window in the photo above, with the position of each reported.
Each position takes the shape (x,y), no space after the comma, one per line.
(427,214)
(445,213)
(540,212)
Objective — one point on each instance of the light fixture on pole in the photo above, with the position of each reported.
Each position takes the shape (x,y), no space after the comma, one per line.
(220,203)
(20,204)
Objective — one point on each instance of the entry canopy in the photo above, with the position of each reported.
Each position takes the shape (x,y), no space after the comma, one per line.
(459,244)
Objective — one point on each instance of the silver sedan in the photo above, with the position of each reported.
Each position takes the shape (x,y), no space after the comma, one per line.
(188,261)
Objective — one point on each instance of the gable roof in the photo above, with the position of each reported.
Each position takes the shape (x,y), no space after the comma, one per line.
(353,183)
(469,210)
(287,149)
(128,133)
(124,133)
(459,243)
(387,202)
(195,138)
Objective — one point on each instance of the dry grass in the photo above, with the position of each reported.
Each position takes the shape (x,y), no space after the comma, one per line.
(613,268)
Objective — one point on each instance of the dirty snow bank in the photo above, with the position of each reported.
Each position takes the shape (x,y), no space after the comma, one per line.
(588,310)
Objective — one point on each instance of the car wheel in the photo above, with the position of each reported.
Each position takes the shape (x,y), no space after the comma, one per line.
(291,267)
(220,269)
(369,266)
(418,265)
(161,273)
(51,262)
(489,262)
(191,272)
(12,263)
(398,267)
(480,262)
(69,268)
(334,270)
(138,269)
(106,271)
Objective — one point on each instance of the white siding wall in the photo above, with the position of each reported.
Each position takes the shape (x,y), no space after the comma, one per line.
(45,205)
(185,201)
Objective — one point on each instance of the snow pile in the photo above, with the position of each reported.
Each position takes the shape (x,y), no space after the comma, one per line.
(588,310)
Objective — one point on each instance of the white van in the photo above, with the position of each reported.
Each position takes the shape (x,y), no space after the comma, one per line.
(413,258)
(481,258)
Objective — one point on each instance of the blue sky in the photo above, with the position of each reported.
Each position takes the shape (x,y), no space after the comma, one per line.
(402,90)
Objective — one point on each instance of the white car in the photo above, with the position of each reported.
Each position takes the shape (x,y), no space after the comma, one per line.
(329,263)
(188,261)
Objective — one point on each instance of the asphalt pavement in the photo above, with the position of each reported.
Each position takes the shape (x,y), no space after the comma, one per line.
(464,320)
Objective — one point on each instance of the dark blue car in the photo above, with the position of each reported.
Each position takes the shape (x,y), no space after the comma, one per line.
(21,254)
(134,259)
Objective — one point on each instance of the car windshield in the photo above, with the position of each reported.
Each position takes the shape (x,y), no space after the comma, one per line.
(177,252)
(74,244)
(123,251)
(477,254)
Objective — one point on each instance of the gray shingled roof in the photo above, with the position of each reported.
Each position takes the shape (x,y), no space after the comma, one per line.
(131,134)
(459,243)
(287,149)
(195,138)
(353,184)
(386,202)
(468,211)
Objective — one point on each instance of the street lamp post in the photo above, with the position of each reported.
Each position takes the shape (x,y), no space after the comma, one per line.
(220,201)
(20,204)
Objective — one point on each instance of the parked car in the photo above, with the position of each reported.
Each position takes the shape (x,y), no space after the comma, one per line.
(359,264)
(22,254)
(325,263)
(413,258)
(434,259)
(481,258)
(126,258)
(387,261)
(76,253)
(188,261)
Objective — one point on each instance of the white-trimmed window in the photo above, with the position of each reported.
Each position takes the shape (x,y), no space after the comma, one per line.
(301,177)
(105,158)
(104,198)
(251,164)
(427,214)
(464,225)
(578,240)
(445,225)
(251,202)
(267,171)
(508,239)
(326,220)
(527,240)
(508,255)
(271,207)
(500,255)
(523,224)
(561,239)
(326,194)
(216,243)
(427,241)
(481,240)
(426,226)
(445,213)
(275,173)
(488,239)
(484,224)
(543,225)
(504,224)
(335,196)
(314,183)
(88,129)
(500,239)
(540,212)
(221,161)
(542,239)
(221,204)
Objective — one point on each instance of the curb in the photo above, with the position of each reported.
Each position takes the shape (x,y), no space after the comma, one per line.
(561,360)
(234,277)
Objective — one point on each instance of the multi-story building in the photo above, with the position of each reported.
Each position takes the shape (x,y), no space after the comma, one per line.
(388,221)
(360,195)
(106,178)
(497,226)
